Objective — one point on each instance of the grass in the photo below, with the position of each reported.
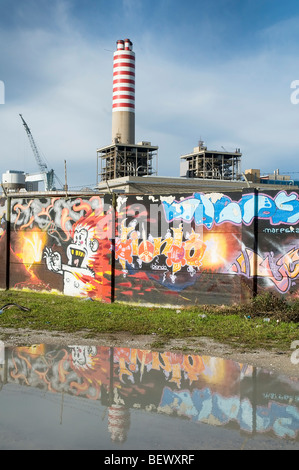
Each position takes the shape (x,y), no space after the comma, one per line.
(266,322)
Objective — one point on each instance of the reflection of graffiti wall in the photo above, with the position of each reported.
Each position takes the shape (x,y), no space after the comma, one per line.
(202,389)
(61,244)
(176,249)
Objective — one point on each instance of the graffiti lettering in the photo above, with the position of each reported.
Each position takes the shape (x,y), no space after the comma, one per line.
(205,406)
(281,273)
(173,365)
(178,253)
(214,209)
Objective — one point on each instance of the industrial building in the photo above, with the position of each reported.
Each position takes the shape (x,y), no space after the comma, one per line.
(124,157)
(211,164)
(254,175)
(15,180)
(124,166)
(120,160)
(171,185)
(127,166)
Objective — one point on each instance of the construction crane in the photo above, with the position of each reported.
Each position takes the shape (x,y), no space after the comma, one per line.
(46,175)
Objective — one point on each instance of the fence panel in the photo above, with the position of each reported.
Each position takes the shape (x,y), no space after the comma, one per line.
(177,249)
(62,244)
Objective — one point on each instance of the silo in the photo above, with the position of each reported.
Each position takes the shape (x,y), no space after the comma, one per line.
(123,102)
(13,180)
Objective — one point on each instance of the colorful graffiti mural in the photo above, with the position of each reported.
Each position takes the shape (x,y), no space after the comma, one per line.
(68,238)
(217,208)
(280,272)
(207,246)
(185,249)
(202,389)
(177,252)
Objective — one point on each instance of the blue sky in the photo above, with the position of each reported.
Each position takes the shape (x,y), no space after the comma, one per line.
(220,71)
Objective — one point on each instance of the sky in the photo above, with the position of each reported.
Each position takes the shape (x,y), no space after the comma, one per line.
(220,71)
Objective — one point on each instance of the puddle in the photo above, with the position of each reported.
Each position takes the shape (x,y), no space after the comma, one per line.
(117,399)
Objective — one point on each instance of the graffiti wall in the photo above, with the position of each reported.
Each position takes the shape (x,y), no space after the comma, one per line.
(206,248)
(183,249)
(175,250)
(269,257)
(3,242)
(62,245)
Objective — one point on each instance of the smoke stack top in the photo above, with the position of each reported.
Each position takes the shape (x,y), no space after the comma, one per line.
(123,102)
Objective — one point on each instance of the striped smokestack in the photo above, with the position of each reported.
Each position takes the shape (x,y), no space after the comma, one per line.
(123,103)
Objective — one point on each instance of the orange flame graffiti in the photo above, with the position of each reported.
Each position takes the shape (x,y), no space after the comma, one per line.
(30,247)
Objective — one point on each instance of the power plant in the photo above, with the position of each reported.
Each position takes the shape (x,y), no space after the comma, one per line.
(124,157)
(130,166)
(211,164)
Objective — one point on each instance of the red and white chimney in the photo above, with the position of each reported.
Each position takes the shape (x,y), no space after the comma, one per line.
(123,103)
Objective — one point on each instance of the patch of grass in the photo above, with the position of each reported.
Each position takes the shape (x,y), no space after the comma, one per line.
(265,322)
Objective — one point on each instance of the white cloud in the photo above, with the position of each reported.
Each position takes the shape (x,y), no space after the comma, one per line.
(238,103)
(65,99)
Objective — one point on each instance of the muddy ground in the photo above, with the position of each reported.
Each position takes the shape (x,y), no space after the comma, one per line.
(274,360)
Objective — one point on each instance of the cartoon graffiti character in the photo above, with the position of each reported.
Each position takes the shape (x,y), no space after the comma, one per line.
(82,356)
(81,254)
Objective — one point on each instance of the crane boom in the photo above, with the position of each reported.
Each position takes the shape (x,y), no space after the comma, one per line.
(42,166)
(48,175)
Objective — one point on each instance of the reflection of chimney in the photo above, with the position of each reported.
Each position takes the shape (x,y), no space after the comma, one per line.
(118,422)
(123,103)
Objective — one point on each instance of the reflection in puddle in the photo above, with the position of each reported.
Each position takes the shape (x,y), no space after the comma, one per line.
(202,394)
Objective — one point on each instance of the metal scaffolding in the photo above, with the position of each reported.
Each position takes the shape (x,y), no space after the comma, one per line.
(119,160)
(211,164)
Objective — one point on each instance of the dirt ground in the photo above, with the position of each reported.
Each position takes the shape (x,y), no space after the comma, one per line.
(274,360)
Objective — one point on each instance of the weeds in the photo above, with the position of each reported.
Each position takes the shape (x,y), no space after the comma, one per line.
(241,325)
